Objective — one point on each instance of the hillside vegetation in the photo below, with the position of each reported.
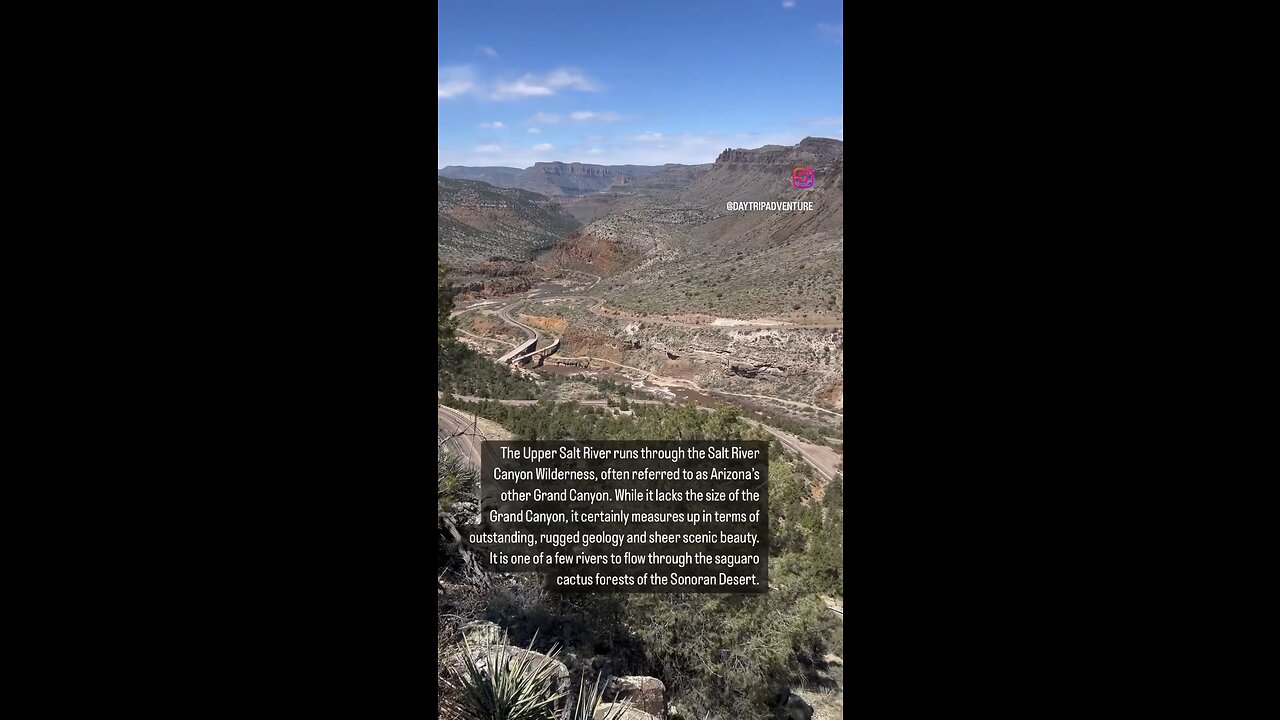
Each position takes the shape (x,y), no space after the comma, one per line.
(463,371)
(475,221)
(721,656)
(695,255)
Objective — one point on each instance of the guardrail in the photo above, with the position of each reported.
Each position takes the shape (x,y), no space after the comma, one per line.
(520,349)
(545,351)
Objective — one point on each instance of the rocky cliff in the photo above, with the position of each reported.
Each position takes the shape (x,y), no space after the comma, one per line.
(556,179)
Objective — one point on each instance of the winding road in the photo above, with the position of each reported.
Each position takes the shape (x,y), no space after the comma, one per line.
(504,313)
(823,459)
(450,424)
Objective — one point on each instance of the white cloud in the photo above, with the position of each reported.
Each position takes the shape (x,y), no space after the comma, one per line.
(488,51)
(453,81)
(489,149)
(545,118)
(535,131)
(541,85)
(594,151)
(826,121)
(647,137)
(788,4)
(519,89)
(589,115)
(832,32)
(495,125)
(571,78)
(542,147)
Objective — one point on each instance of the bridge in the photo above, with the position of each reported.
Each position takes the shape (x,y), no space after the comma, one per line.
(540,354)
(521,349)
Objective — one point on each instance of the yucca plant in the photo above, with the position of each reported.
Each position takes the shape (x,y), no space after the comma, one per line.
(512,688)
(589,701)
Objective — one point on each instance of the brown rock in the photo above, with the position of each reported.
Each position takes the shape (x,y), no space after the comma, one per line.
(645,693)
(604,709)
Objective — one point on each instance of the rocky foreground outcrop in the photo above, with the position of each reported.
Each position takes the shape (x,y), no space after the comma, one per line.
(628,713)
(644,698)
(484,655)
(644,693)
(638,697)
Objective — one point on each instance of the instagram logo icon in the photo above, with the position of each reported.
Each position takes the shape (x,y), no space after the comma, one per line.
(802,177)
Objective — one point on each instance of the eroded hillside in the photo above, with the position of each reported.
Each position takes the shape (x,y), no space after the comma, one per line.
(746,304)
(694,254)
(475,221)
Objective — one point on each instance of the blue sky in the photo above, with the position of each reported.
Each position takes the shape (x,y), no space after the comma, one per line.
(645,83)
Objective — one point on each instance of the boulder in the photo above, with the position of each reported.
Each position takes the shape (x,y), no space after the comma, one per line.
(644,693)
(481,632)
(604,711)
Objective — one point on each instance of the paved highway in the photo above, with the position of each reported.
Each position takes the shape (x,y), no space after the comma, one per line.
(449,422)
(821,459)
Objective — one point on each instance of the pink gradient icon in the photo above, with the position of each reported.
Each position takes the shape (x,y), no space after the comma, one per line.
(802,177)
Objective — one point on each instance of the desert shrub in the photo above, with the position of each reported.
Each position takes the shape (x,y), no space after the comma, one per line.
(718,654)
(454,477)
(588,701)
(508,688)
(721,653)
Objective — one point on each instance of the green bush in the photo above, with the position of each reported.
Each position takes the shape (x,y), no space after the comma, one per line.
(517,688)
(455,478)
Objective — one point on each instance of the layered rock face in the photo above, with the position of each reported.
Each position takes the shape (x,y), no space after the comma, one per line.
(496,176)
(557,178)
(809,152)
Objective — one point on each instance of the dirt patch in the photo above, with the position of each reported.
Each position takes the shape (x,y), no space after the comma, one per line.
(598,256)
(549,324)
(489,326)
(682,369)
(485,325)
(834,395)
(733,322)
(577,341)
(694,319)
(827,703)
